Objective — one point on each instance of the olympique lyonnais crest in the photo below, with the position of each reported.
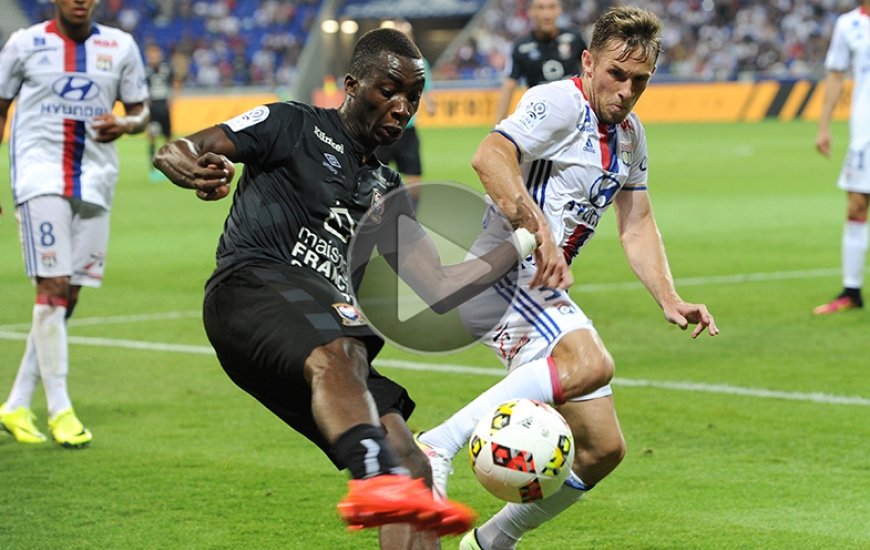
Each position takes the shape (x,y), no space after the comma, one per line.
(625,152)
(49,259)
(376,212)
(104,62)
(350,316)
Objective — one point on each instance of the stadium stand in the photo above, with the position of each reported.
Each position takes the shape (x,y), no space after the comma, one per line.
(214,42)
(220,43)
(704,40)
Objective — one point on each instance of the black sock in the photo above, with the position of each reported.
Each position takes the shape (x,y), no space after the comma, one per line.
(854,294)
(364,451)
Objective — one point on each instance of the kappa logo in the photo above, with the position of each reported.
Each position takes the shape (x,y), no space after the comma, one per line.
(332,163)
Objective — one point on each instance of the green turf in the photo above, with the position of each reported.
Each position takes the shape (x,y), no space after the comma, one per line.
(182,459)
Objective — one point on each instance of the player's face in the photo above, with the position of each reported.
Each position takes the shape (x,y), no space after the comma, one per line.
(386,99)
(544,14)
(154,56)
(75,13)
(615,81)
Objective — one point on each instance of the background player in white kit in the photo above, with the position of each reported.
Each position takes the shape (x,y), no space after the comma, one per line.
(66,74)
(850,43)
(572,148)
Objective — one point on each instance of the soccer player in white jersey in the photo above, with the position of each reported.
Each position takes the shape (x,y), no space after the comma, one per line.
(850,44)
(65,75)
(572,148)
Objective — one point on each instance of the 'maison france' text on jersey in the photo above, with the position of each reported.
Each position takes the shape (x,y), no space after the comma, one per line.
(572,164)
(302,194)
(60,86)
(851,42)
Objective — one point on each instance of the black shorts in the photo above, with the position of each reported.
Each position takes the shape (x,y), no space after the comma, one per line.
(160,120)
(264,322)
(405,152)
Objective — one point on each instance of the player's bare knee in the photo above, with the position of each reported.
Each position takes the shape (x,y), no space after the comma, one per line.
(586,374)
(584,364)
(54,287)
(593,463)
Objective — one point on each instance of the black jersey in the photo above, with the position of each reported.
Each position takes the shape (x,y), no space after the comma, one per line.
(160,81)
(539,61)
(302,193)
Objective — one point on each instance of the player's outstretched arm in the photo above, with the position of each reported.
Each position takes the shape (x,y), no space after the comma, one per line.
(202,161)
(497,166)
(444,288)
(645,251)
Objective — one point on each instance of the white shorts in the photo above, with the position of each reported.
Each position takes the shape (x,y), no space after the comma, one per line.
(63,237)
(855,175)
(520,324)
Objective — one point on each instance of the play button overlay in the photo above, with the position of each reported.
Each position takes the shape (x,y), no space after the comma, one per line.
(450,214)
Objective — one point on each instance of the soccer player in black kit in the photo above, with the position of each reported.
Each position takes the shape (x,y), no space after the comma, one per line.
(277,309)
(546,54)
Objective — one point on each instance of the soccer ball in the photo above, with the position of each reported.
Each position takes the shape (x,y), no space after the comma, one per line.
(522,451)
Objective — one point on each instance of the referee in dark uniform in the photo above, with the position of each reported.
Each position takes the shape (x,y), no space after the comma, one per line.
(547,53)
(277,309)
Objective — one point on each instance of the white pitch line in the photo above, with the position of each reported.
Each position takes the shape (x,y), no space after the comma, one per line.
(117,319)
(715,279)
(682,386)
(482,371)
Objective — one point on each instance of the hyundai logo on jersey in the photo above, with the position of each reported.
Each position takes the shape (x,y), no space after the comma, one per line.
(76,88)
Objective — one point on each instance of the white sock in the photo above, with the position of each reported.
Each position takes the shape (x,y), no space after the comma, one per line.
(855,238)
(49,339)
(26,380)
(505,529)
(536,379)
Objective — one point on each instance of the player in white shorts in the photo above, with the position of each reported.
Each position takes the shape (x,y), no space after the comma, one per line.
(572,148)
(850,46)
(65,76)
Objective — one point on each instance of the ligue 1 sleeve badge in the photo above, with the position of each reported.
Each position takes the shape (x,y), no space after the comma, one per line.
(350,316)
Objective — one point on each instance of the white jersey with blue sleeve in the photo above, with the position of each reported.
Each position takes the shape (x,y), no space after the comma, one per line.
(60,86)
(850,48)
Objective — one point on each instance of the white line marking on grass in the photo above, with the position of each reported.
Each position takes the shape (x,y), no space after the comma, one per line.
(715,279)
(118,343)
(117,319)
(683,386)
(482,371)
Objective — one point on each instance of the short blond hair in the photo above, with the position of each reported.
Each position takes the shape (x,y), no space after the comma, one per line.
(630,27)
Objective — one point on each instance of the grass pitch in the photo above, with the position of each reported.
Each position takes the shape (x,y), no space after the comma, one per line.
(755,439)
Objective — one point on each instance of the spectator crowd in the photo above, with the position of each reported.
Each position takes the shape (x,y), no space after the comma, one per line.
(703,39)
(213,43)
(218,43)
